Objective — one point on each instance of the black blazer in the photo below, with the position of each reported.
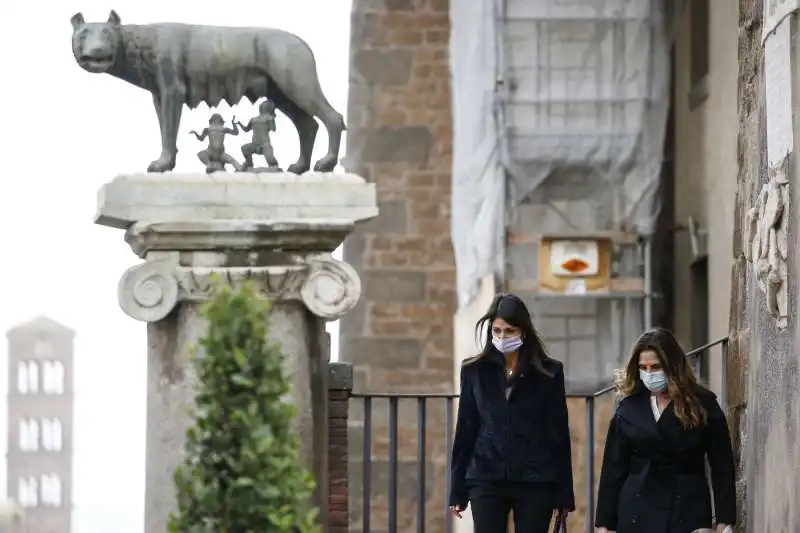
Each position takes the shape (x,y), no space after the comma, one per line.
(524,438)
(653,478)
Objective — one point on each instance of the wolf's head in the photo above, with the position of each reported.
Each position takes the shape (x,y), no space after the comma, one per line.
(96,45)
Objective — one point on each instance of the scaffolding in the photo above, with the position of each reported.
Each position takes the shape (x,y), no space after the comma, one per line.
(583,101)
(560,112)
(579,103)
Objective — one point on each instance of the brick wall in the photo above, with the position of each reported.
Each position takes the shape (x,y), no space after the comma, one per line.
(340,383)
(399,337)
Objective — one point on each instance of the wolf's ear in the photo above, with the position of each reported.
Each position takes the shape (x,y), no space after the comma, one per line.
(114,19)
(77,20)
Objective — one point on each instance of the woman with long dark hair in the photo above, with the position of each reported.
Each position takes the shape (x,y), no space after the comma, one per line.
(653,478)
(512,449)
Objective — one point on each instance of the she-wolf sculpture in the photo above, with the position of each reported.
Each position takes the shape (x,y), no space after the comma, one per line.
(188,64)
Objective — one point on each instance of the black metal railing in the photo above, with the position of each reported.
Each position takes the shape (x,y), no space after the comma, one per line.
(447,403)
(423,405)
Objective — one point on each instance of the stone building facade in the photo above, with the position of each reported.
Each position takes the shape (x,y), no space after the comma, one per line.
(40,417)
(764,406)
(736,120)
(399,338)
(704,164)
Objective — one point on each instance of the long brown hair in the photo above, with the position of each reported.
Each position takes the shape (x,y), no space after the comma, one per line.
(513,310)
(682,385)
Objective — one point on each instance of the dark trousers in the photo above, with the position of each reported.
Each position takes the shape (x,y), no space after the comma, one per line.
(533,505)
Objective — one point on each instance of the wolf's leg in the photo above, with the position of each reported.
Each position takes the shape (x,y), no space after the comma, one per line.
(334,124)
(306,131)
(169,105)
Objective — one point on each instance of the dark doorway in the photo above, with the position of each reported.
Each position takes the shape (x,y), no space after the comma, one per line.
(699,313)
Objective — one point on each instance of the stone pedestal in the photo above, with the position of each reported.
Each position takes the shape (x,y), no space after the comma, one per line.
(276,230)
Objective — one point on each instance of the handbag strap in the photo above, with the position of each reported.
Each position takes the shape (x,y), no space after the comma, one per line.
(561,522)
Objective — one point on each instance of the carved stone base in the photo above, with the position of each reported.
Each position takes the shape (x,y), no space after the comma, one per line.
(241,196)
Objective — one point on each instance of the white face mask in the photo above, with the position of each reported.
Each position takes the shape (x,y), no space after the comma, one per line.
(511,344)
(655,381)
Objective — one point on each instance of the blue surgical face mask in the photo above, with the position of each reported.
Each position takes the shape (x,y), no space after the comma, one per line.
(511,344)
(655,381)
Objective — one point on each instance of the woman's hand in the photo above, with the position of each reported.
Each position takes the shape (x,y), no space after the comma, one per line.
(457,510)
(721,528)
(601,530)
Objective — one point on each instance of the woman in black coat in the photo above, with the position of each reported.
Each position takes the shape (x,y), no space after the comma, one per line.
(511,450)
(654,475)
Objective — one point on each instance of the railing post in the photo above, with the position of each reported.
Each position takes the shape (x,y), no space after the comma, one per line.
(448,436)
(366,473)
(590,464)
(723,396)
(393,456)
(421,475)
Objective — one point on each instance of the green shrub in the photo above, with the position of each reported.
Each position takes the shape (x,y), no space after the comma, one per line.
(242,470)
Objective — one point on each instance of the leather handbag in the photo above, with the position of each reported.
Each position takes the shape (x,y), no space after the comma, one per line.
(560,525)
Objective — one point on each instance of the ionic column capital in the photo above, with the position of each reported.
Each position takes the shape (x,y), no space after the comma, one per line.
(149,291)
(329,288)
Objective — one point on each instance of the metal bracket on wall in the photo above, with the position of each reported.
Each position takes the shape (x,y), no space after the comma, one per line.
(698,239)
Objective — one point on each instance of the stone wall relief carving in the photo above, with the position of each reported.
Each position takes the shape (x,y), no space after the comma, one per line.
(766,243)
(329,288)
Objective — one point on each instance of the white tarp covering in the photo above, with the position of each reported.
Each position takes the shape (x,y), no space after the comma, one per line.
(569,90)
(478,198)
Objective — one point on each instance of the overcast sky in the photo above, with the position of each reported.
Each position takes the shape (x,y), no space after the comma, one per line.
(71,131)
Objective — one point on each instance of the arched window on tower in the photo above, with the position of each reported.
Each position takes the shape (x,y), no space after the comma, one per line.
(28,377)
(51,490)
(53,377)
(28,435)
(52,434)
(33,377)
(22,377)
(28,492)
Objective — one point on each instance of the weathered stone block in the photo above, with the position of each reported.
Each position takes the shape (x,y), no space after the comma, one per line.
(582,327)
(393,353)
(393,219)
(738,362)
(551,328)
(406,144)
(389,285)
(384,67)
(340,376)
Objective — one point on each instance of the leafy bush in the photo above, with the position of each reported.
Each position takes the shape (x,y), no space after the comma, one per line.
(242,470)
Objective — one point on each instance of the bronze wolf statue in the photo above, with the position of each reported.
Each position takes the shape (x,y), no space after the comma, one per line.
(188,64)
